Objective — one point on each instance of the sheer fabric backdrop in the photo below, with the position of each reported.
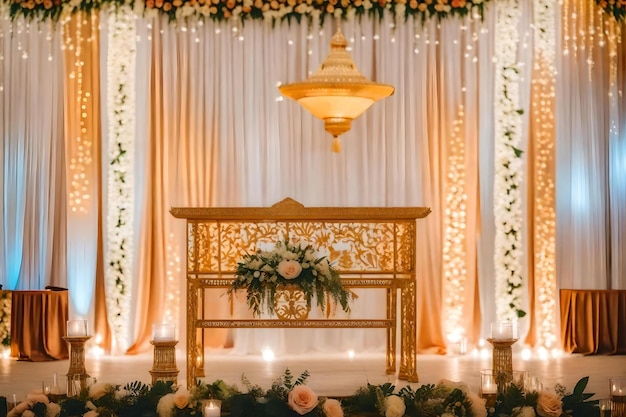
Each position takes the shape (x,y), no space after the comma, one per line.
(212,130)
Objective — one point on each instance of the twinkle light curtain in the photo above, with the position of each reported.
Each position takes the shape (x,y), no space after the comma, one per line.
(210,129)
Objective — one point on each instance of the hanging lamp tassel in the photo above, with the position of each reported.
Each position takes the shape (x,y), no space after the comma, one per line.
(336,144)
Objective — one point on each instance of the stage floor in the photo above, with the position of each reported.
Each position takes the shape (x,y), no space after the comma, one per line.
(331,374)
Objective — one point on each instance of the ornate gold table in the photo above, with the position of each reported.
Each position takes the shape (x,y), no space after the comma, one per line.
(371,247)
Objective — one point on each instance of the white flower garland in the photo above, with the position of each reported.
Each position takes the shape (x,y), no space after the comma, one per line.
(121,115)
(508,169)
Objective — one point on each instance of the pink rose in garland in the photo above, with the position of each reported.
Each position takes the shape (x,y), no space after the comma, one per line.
(549,405)
(302,399)
(289,269)
(332,408)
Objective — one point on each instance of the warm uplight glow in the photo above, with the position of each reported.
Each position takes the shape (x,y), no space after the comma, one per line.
(544,138)
(455,220)
(526,354)
(351,354)
(268,355)
(337,93)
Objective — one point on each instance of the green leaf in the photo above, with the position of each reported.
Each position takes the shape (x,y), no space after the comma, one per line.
(580,386)
(518,152)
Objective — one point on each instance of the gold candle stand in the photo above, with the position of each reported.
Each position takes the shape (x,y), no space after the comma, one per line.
(502,361)
(164,363)
(77,372)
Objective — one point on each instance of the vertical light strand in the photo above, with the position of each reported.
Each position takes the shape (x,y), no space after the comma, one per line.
(78,132)
(82,138)
(508,164)
(121,58)
(454,248)
(543,107)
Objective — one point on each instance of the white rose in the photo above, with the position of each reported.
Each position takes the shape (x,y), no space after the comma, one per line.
(289,269)
(394,406)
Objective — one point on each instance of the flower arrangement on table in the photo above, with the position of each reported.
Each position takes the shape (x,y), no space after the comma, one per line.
(263,272)
(291,397)
(5,318)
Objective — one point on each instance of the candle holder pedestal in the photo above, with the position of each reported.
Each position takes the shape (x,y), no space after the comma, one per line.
(502,361)
(77,374)
(164,362)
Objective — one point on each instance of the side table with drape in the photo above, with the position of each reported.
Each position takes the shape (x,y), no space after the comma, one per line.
(593,321)
(38,320)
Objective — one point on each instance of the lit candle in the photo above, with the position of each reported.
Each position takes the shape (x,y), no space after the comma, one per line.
(212,408)
(504,330)
(76,328)
(489,388)
(163,332)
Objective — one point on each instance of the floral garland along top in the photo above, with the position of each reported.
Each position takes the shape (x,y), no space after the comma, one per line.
(262,272)
(220,10)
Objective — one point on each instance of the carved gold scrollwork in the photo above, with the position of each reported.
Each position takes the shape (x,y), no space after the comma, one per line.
(371,247)
(290,303)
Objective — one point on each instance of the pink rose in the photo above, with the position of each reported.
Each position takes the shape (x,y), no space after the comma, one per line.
(302,399)
(549,405)
(289,269)
(181,399)
(332,408)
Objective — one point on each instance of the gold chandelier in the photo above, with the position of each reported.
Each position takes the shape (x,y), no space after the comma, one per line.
(337,93)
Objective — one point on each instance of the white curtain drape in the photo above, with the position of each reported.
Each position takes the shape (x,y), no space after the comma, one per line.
(32,178)
(591,144)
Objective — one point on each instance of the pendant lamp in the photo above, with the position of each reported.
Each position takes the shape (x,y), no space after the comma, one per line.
(337,93)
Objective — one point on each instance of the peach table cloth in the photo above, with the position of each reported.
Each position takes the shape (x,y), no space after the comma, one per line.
(593,321)
(38,320)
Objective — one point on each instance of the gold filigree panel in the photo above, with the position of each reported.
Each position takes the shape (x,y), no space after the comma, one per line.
(216,247)
(290,303)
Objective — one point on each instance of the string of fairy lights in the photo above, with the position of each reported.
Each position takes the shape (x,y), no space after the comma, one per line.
(79,146)
(584,28)
(454,254)
(543,166)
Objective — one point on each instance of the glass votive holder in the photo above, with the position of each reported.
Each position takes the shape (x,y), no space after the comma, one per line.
(211,408)
(606,407)
(76,328)
(163,332)
(617,391)
(520,379)
(532,384)
(488,387)
(504,330)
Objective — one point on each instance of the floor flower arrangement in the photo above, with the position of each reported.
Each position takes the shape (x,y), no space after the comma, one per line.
(290,396)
